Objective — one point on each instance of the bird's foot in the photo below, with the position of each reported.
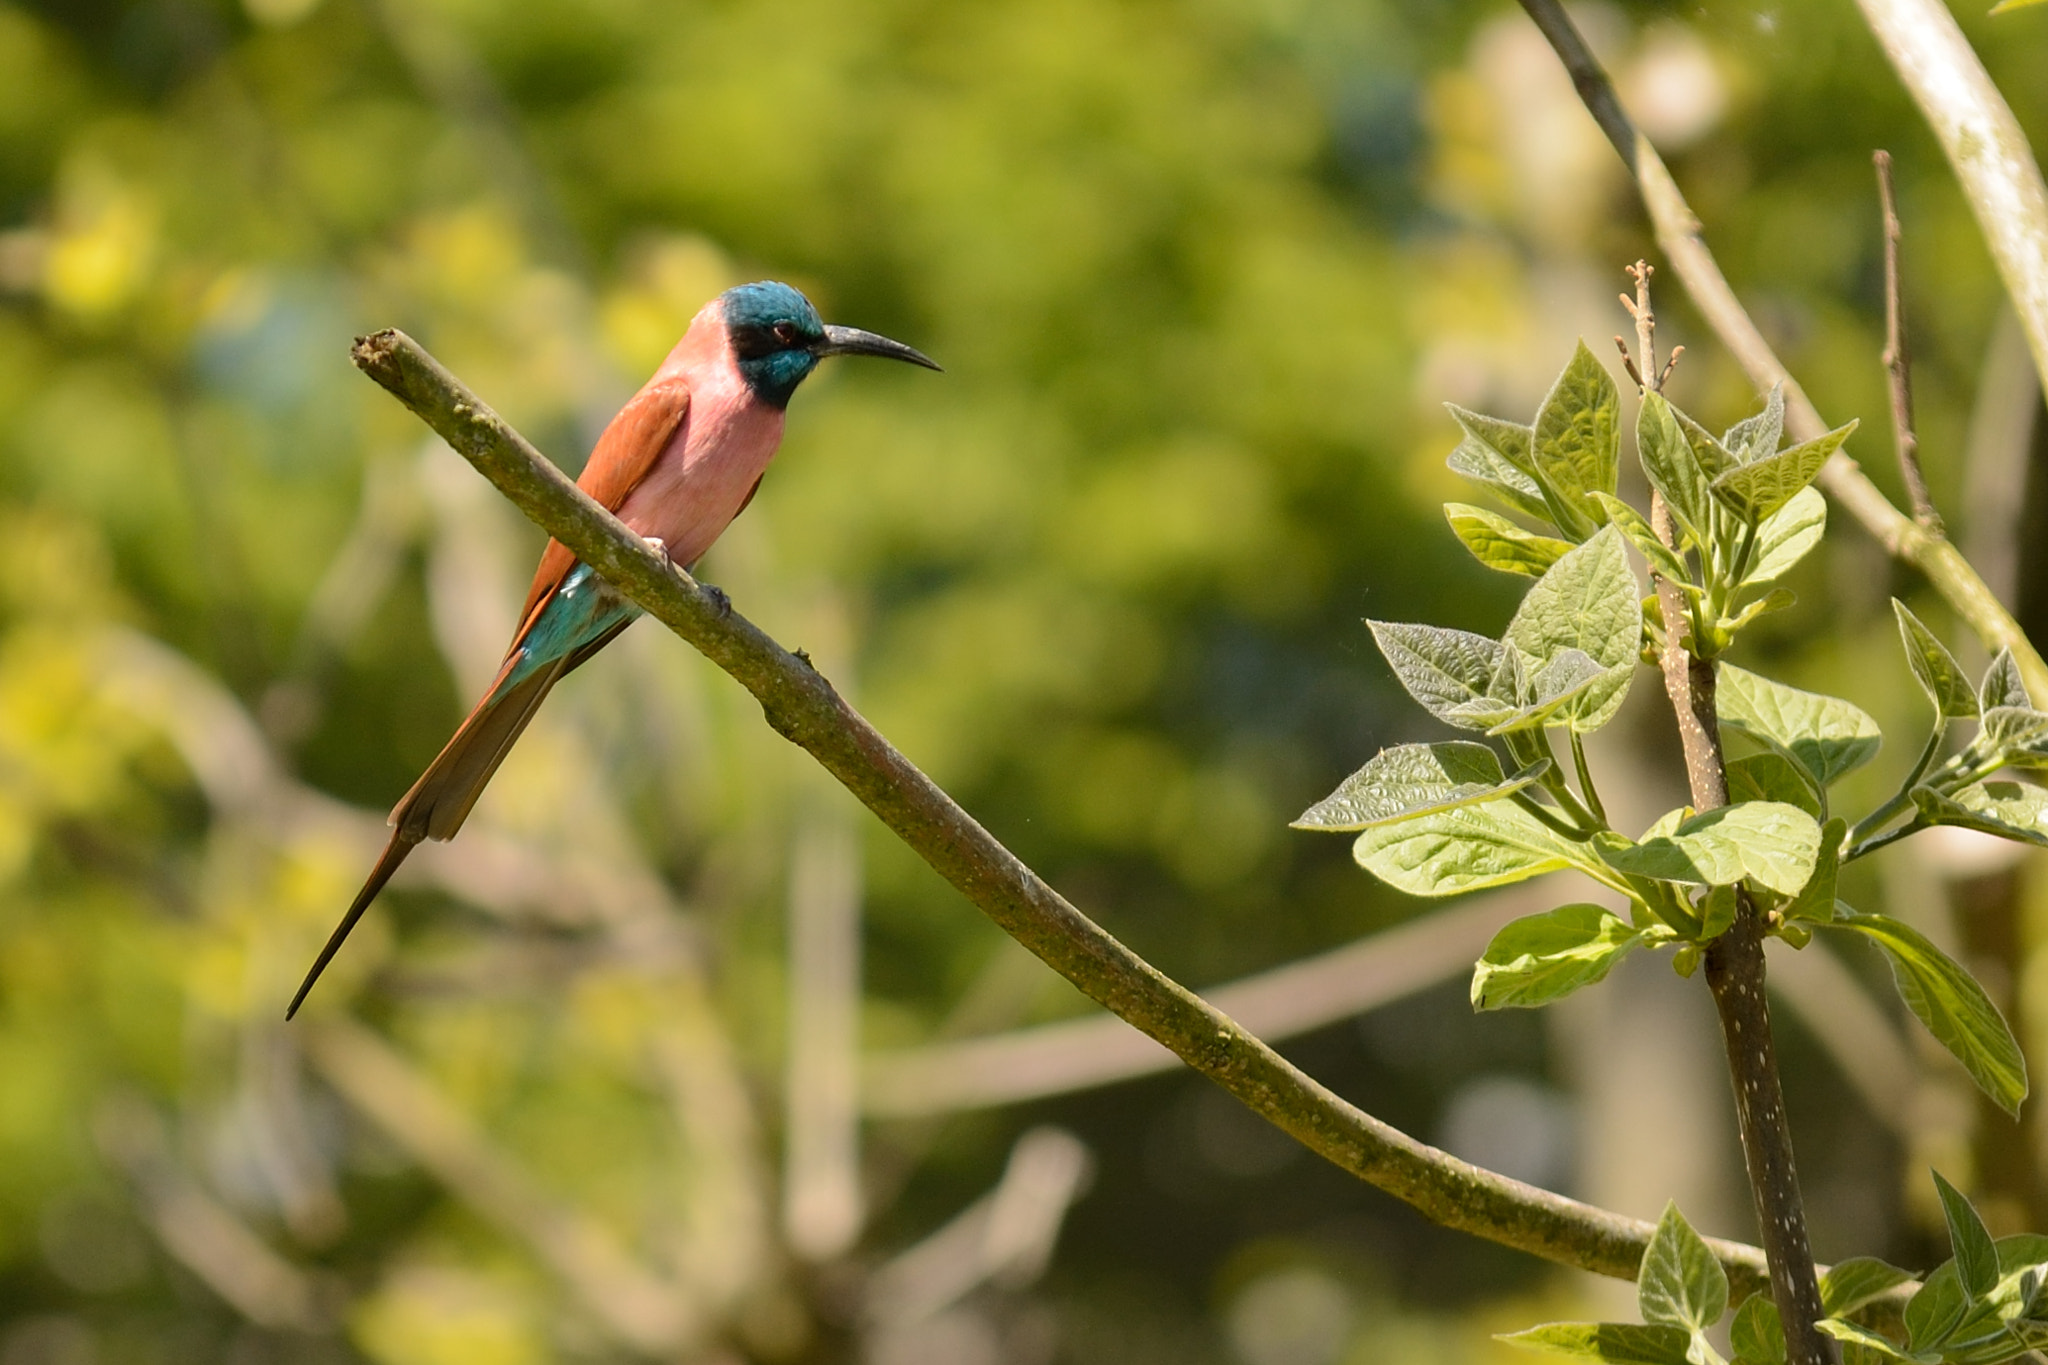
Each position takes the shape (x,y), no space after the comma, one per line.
(718,598)
(657,544)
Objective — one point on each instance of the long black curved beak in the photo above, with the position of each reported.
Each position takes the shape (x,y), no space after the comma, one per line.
(853,341)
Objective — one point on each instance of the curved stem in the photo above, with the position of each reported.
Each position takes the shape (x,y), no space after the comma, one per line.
(1902,799)
(801,705)
(1586,786)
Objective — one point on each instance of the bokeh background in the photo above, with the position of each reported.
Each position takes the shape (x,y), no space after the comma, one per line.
(668,1057)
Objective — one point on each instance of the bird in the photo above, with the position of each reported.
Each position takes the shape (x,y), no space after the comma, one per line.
(679,462)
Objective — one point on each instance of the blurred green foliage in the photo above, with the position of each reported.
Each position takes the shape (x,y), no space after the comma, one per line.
(1199,273)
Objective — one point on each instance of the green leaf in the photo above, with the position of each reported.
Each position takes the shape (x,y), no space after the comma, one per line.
(1825,736)
(1855,1334)
(1787,534)
(1484,465)
(1587,601)
(1540,958)
(1939,675)
(2012,729)
(1850,1284)
(1976,1256)
(1511,441)
(1499,544)
(1755,490)
(1816,900)
(1713,458)
(2003,685)
(1662,561)
(1771,777)
(2004,6)
(1777,599)
(1756,1334)
(1622,1343)
(1673,469)
(1774,844)
(1416,779)
(1569,684)
(1577,445)
(2011,810)
(1717,912)
(1440,668)
(1758,435)
(1466,848)
(1935,1310)
(1951,1004)
(1680,1283)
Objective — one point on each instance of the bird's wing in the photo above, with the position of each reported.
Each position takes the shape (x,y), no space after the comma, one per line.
(624,454)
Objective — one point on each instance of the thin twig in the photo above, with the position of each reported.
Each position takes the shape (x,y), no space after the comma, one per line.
(1678,234)
(802,706)
(1898,359)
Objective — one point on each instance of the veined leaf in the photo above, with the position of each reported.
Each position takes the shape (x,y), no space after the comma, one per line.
(1509,440)
(1714,458)
(1466,848)
(2011,810)
(1499,544)
(1577,442)
(1619,1343)
(1662,561)
(1855,1334)
(1816,900)
(2003,685)
(1416,779)
(1777,599)
(1484,465)
(1850,1284)
(1952,1005)
(1825,736)
(1999,1325)
(1937,671)
(1774,844)
(1673,469)
(1680,1283)
(1540,958)
(2010,729)
(1771,777)
(1976,1256)
(1440,668)
(1785,536)
(1755,490)
(1758,435)
(1586,601)
(1756,1334)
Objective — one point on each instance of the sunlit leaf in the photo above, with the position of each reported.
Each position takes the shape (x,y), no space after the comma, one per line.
(1855,1334)
(1976,1256)
(1621,1343)
(1587,601)
(1499,544)
(1936,670)
(1440,668)
(1484,465)
(1540,958)
(1660,558)
(1771,777)
(2011,810)
(1784,537)
(1577,442)
(1825,736)
(2003,686)
(1755,490)
(1816,900)
(1774,844)
(1758,435)
(1951,1004)
(1680,1282)
(1850,1284)
(1415,779)
(1673,468)
(1466,848)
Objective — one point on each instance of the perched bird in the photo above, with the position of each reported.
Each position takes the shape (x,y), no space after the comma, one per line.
(678,463)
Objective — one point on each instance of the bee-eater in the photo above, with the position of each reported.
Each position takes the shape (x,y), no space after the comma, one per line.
(679,462)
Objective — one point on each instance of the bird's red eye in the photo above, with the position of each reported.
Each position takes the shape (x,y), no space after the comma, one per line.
(785,333)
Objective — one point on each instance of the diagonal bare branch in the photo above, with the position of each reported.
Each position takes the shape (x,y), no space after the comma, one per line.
(803,707)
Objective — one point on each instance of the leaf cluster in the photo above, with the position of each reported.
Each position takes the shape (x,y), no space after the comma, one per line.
(1982,1306)
(1449,817)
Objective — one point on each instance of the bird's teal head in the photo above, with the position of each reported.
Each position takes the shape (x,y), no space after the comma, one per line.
(778,339)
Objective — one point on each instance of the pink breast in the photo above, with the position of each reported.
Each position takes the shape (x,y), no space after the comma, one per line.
(700,482)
